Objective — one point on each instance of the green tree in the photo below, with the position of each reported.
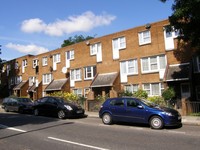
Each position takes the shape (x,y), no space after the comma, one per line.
(75,39)
(186,17)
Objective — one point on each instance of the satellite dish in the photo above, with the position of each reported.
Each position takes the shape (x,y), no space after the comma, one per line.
(64,70)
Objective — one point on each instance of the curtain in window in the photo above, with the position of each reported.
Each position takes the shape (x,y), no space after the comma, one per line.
(162,62)
(145,64)
(155,89)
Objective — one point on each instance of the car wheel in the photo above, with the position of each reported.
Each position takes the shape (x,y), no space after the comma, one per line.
(156,122)
(107,119)
(6,109)
(36,112)
(61,114)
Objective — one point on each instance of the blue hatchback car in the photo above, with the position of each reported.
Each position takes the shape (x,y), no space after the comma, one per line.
(138,111)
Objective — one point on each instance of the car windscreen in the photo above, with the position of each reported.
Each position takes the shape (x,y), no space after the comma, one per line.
(24,100)
(148,103)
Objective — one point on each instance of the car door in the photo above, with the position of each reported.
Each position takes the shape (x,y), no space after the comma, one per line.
(12,104)
(117,108)
(51,106)
(135,112)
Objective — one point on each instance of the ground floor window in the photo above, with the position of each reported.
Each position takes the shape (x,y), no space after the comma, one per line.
(131,88)
(86,91)
(77,92)
(153,89)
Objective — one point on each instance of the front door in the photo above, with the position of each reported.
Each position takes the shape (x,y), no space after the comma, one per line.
(185,90)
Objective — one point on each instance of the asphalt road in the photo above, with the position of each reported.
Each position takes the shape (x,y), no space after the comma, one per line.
(27,132)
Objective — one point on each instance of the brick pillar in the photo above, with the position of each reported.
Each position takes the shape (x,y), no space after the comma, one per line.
(184,106)
(113,93)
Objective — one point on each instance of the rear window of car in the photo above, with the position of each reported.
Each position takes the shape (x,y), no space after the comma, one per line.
(117,102)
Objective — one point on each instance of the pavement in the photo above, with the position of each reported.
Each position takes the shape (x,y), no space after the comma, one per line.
(189,120)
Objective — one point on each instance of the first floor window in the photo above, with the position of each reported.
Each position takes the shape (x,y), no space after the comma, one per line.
(153,63)
(129,67)
(47,78)
(76,74)
(18,79)
(90,72)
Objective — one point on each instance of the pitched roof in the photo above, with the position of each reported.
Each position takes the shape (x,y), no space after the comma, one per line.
(20,85)
(106,79)
(178,72)
(56,85)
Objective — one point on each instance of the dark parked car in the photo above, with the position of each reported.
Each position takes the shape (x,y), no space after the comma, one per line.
(58,107)
(17,104)
(138,111)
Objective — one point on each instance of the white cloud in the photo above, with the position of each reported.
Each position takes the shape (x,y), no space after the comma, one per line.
(28,49)
(33,25)
(82,23)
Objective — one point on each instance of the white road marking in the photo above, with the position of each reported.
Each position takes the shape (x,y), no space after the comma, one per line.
(75,143)
(11,128)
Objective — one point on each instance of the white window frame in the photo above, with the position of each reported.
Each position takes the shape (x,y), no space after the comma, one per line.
(144,38)
(76,74)
(125,67)
(174,33)
(32,80)
(70,55)
(18,79)
(149,90)
(119,43)
(131,88)
(47,78)
(86,91)
(91,71)
(78,92)
(44,61)
(158,62)
(56,58)
(24,63)
(35,63)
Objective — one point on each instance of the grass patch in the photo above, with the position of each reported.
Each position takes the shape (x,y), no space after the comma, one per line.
(195,114)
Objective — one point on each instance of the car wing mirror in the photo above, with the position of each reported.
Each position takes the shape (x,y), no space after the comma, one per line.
(140,107)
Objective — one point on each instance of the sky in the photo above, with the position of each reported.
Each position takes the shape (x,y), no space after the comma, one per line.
(39,26)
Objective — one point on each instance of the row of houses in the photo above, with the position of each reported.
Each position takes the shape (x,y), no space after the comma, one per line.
(145,57)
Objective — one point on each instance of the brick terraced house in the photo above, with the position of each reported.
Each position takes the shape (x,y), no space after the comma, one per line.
(143,57)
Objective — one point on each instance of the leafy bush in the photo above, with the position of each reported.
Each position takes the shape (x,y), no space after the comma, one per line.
(126,93)
(141,94)
(157,100)
(168,94)
(68,97)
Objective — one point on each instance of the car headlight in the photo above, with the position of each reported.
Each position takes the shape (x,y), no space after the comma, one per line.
(68,107)
(168,114)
